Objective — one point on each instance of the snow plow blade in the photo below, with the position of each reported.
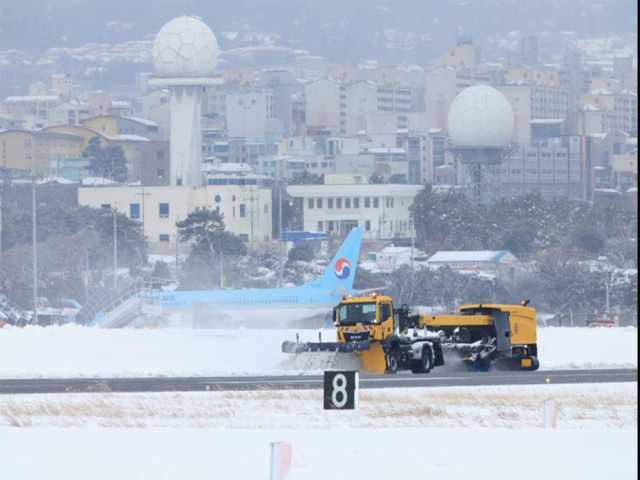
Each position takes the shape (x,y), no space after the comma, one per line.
(344,347)
(373,360)
(371,356)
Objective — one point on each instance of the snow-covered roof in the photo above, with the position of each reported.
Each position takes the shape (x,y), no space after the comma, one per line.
(120,104)
(607,190)
(31,98)
(546,121)
(228,167)
(142,121)
(130,138)
(386,150)
(455,256)
(59,180)
(91,181)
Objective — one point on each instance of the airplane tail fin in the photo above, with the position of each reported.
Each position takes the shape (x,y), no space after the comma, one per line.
(341,271)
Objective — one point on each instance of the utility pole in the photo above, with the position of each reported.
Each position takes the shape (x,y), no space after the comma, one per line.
(221,269)
(177,221)
(281,258)
(34,242)
(115,251)
(607,296)
(413,241)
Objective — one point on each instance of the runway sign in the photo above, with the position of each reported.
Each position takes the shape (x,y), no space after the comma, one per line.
(341,389)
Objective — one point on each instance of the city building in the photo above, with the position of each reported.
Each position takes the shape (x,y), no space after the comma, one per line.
(32,110)
(251,115)
(501,264)
(243,200)
(42,152)
(347,201)
(148,160)
(554,167)
(624,170)
(114,126)
(604,111)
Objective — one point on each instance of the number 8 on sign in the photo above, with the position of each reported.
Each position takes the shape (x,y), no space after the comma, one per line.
(340,390)
(339,395)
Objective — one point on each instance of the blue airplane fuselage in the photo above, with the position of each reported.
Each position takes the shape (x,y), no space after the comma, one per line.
(309,299)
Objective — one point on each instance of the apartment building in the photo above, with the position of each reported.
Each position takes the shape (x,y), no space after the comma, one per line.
(243,200)
(347,201)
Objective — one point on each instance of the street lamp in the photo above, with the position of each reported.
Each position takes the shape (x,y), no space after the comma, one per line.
(607,285)
(34,243)
(115,249)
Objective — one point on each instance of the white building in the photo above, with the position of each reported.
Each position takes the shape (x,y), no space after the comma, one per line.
(347,201)
(244,203)
(32,110)
(251,115)
(498,263)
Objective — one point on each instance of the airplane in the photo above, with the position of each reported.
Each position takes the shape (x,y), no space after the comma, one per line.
(281,305)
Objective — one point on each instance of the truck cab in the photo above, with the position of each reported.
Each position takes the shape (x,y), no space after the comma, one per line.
(364,318)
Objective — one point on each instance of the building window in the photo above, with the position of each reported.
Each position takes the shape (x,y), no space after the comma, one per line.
(217,199)
(376,202)
(338,203)
(134,210)
(367,225)
(356,202)
(330,203)
(266,208)
(310,203)
(347,203)
(319,202)
(330,226)
(163,237)
(367,202)
(164,210)
(320,226)
(160,173)
(243,210)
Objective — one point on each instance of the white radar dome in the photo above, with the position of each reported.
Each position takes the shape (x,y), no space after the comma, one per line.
(480,117)
(185,47)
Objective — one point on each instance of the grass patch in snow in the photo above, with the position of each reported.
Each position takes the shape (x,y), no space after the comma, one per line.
(579,406)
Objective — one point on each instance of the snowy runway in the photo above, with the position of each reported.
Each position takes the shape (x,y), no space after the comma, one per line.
(74,351)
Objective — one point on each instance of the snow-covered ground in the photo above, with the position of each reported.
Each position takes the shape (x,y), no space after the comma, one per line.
(581,406)
(452,433)
(75,351)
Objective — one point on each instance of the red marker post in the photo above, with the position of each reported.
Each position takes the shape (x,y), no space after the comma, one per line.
(280,460)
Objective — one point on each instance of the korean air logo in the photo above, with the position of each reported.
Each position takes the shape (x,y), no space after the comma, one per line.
(343,268)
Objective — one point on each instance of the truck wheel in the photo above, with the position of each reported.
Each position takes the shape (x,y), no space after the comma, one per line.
(425,364)
(482,364)
(392,362)
(535,364)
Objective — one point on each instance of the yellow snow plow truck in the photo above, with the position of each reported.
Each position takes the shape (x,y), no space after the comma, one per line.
(388,339)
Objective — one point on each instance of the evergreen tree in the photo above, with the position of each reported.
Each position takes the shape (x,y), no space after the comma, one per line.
(106,162)
(211,245)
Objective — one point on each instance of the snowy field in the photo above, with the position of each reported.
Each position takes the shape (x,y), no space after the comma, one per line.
(75,351)
(452,433)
